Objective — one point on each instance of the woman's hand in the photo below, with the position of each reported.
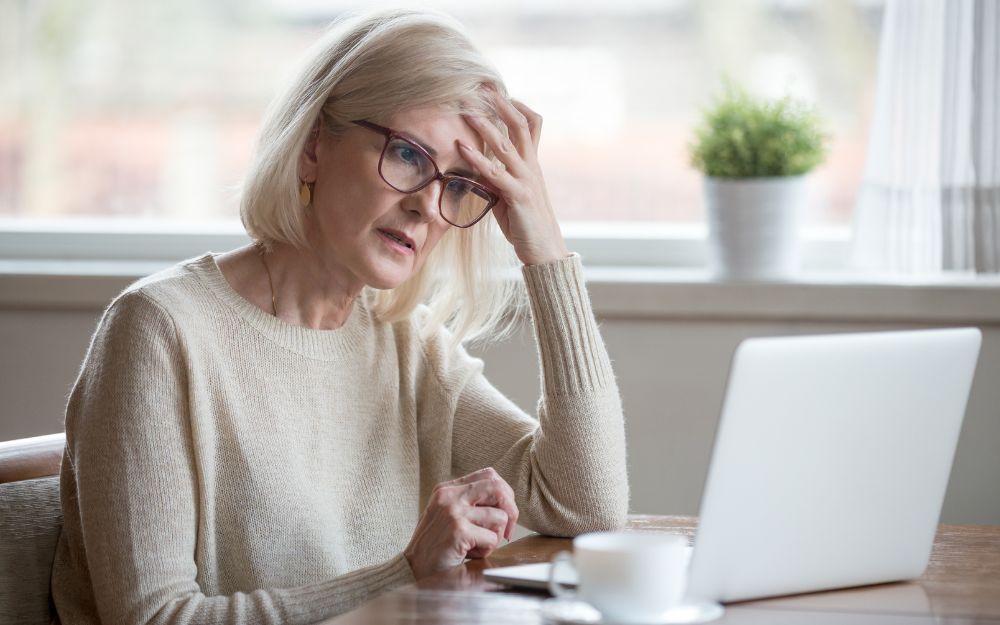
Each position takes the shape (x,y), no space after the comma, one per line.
(524,212)
(465,518)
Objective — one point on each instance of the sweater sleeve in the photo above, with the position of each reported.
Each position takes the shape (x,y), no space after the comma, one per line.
(568,468)
(130,493)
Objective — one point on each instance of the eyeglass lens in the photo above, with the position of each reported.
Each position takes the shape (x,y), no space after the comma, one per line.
(407,168)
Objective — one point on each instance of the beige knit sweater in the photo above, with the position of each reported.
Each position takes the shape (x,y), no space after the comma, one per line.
(223,466)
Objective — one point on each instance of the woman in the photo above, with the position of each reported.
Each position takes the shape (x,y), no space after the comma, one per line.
(273,435)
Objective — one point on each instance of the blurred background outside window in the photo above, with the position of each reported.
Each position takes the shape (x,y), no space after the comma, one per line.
(147,110)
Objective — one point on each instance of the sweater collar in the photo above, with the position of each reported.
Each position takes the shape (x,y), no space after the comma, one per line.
(321,344)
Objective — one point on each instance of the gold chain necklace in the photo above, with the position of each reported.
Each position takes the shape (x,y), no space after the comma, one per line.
(274,305)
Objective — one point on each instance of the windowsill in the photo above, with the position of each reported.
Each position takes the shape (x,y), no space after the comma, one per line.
(833,296)
(617,292)
(634,271)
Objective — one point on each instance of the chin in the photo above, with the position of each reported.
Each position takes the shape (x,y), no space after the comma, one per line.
(381,285)
(383,274)
(384,280)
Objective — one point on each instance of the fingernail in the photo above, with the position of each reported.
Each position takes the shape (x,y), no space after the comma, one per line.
(462,145)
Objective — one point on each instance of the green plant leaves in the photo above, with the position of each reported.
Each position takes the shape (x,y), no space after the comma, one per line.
(744,137)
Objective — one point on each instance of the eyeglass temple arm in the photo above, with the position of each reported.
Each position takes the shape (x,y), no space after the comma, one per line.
(382,130)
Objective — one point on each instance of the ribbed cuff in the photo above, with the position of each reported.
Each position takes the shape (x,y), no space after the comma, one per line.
(340,595)
(573,356)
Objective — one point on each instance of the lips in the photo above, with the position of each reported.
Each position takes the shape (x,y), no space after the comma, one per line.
(399,237)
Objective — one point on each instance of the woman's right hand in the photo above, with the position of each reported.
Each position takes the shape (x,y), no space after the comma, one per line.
(464,518)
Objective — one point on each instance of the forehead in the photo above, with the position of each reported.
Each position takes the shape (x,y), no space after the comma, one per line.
(435,128)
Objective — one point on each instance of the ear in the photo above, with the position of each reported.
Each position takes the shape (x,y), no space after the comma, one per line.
(308,163)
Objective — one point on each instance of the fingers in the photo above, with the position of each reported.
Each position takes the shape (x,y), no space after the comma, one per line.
(494,173)
(514,172)
(485,487)
(479,541)
(502,147)
(492,519)
(493,491)
(518,126)
(465,518)
(533,119)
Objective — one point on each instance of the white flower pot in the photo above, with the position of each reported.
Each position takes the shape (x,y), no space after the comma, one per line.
(753,226)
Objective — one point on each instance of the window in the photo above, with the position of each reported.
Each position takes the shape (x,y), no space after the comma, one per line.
(148,110)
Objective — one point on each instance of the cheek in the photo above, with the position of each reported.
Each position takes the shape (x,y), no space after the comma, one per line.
(350,204)
(435,233)
(434,236)
(354,183)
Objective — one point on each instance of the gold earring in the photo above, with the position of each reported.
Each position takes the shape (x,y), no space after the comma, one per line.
(305,195)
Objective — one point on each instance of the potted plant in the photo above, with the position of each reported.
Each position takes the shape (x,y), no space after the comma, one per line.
(755,155)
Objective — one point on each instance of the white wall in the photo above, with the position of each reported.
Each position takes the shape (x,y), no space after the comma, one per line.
(671,355)
(42,352)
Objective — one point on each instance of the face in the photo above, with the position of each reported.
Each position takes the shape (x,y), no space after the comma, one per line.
(367,232)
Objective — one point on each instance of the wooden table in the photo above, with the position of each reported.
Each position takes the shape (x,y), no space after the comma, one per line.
(961,585)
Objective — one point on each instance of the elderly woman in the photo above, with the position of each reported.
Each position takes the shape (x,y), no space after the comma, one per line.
(279,433)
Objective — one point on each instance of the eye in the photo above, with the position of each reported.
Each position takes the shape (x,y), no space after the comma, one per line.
(408,154)
(405,153)
(458,188)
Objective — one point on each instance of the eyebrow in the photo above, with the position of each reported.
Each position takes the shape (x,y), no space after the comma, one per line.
(410,137)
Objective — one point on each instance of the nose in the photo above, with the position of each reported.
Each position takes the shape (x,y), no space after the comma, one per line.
(424,203)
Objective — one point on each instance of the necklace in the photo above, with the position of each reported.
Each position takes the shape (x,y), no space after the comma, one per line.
(274,306)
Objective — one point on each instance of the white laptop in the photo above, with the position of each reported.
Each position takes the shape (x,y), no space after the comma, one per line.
(830,465)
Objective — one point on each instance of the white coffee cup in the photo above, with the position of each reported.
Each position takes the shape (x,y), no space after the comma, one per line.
(629,577)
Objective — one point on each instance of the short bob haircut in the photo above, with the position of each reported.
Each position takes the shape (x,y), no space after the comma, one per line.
(373,66)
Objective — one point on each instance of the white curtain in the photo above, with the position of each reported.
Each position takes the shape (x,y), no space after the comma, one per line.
(930,200)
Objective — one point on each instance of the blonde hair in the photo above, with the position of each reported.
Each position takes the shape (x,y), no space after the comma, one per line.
(374,66)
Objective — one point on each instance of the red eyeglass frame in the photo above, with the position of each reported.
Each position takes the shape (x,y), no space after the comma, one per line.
(389,134)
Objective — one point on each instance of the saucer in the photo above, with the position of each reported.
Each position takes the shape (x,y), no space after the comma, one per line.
(575,612)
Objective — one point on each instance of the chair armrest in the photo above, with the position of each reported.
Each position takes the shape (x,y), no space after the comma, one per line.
(30,458)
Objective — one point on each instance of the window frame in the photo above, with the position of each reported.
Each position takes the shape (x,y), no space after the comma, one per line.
(626,244)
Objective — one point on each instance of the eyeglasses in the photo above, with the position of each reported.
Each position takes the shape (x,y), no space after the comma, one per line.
(407,167)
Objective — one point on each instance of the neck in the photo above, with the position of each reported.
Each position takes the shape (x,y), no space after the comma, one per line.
(307,290)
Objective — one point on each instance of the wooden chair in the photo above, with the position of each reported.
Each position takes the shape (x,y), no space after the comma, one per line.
(30,522)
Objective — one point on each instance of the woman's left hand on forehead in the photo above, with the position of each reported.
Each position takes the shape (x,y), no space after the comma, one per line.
(524,212)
